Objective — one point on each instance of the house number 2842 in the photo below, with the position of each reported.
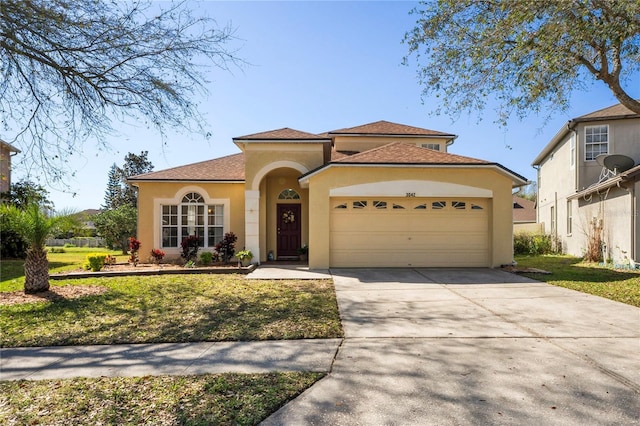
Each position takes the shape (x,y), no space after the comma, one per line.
(411,194)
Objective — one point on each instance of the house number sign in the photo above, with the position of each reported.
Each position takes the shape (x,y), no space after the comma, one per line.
(411,194)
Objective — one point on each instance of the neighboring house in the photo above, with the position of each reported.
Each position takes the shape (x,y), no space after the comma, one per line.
(524,215)
(380,194)
(6,152)
(581,200)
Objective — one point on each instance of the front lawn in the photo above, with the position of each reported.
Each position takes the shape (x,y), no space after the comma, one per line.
(211,399)
(176,308)
(570,272)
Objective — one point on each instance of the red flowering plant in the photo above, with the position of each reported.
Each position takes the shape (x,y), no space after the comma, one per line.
(157,255)
(134,248)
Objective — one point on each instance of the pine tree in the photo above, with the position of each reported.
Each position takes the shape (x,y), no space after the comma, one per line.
(113,194)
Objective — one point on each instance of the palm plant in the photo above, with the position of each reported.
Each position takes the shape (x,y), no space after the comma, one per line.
(35,226)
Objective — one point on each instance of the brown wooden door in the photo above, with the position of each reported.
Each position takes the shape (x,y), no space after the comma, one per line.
(289,229)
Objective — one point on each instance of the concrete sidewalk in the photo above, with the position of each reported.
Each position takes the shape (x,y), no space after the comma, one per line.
(61,362)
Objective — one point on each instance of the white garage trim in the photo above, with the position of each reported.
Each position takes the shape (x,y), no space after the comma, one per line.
(411,188)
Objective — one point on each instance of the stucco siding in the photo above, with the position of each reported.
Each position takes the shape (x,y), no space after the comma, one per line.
(556,182)
(152,195)
(614,210)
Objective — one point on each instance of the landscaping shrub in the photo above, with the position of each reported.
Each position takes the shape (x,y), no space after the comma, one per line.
(69,245)
(206,258)
(57,250)
(95,261)
(532,244)
(227,247)
(157,255)
(190,247)
(134,250)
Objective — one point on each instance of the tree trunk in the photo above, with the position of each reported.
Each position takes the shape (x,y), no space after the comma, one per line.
(36,271)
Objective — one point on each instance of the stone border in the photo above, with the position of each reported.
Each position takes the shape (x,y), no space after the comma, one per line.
(183,271)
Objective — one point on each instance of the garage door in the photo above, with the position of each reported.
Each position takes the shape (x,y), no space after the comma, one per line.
(416,232)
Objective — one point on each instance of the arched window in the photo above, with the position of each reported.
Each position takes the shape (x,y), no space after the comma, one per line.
(289,194)
(192,217)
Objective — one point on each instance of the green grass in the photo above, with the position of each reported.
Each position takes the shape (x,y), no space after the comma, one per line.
(570,272)
(176,308)
(12,271)
(220,399)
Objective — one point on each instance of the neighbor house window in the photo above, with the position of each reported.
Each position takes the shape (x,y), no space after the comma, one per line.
(553,220)
(596,141)
(192,217)
(434,146)
(569,218)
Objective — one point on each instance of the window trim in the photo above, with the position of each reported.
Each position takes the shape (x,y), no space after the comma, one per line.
(593,143)
(177,200)
(569,218)
(572,151)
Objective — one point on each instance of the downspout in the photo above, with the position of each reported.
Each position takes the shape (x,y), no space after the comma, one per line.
(537,169)
(634,218)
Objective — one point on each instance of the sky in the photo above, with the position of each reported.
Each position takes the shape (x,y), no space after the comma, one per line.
(316,67)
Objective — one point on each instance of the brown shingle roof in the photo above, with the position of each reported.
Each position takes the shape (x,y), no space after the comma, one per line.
(523,210)
(614,111)
(389,129)
(280,134)
(229,168)
(404,153)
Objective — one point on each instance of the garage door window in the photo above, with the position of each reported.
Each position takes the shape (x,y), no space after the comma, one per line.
(359,204)
(459,205)
(398,206)
(421,207)
(380,205)
(438,205)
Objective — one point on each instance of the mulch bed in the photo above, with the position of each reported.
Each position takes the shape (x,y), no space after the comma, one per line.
(53,294)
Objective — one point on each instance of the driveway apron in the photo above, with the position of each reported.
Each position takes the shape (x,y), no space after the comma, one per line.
(474,346)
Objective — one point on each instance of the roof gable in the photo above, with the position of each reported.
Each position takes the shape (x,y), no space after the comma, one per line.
(404,153)
(387,128)
(229,168)
(281,134)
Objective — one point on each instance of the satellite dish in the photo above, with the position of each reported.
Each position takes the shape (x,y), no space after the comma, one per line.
(600,159)
(618,163)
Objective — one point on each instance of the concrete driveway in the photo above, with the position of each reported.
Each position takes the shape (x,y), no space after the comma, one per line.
(474,346)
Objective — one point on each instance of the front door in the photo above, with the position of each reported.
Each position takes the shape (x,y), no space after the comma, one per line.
(289,230)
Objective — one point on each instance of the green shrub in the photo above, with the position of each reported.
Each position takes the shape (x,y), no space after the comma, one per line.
(69,245)
(532,244)
(57,250)
(13,246)
(206,257)
(95,261)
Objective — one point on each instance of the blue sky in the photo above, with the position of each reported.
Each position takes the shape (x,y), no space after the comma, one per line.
(318,66)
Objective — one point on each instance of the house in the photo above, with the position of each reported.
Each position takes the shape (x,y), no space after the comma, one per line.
(6,152)
(524,215)
(587,185)
(381,194)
